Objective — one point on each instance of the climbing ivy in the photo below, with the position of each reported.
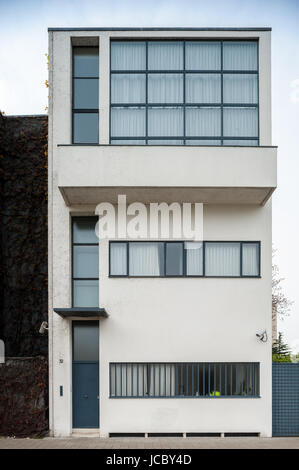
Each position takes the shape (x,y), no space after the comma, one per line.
(23,234)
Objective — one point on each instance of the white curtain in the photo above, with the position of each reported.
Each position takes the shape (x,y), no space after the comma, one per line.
(127,88)
(222,259)
(161,379)
(194,258)
(130,55)
(203,88)
(203,122)
(250,260)
(203,55)
(239,55)
(165,122)
(246,143)
(240,122)
(118,259)
(166,55)
(240,88)
(203,142)
(146,259)
(127,122)
(165,142)
(128,142)
(165,88)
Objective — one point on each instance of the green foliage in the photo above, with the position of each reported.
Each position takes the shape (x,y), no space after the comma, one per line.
(280,350)
(278,358)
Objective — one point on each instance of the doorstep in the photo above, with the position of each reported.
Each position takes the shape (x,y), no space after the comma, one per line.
(92,432)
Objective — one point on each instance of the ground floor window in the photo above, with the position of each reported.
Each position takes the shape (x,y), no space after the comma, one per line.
(184,379)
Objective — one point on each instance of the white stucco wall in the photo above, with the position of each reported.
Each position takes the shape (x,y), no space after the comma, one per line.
(161,319)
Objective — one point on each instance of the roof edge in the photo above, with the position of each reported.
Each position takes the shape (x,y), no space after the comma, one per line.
(160,29)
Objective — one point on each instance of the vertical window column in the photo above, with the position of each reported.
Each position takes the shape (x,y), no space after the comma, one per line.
(85,262)
(85,95)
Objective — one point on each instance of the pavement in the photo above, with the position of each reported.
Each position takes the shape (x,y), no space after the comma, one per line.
(151,443)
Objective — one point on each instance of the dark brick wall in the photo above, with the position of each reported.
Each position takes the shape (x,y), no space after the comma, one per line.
(23,234)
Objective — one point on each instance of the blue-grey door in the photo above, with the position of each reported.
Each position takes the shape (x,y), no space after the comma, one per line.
(85,374)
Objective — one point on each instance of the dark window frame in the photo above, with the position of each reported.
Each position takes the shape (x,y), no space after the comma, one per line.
(113,139)
(73,244)
(185,275)
(201,375)
(81,110)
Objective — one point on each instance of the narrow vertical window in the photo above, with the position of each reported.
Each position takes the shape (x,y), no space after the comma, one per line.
(85,95)
(85,263)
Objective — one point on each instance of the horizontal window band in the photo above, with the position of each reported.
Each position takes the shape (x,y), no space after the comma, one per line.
(181,71)
(182,138)
(210,380)
(185,105)
(172,259)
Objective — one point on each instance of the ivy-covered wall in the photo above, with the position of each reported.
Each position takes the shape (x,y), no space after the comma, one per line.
(23,234)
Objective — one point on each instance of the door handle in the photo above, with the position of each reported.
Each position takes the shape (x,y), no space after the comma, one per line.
(85,396)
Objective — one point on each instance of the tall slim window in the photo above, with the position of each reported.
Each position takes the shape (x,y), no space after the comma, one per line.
(85,262)
(85,95)
(184,92)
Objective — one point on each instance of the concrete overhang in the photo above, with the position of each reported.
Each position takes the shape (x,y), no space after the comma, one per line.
(81,312)
(215,175)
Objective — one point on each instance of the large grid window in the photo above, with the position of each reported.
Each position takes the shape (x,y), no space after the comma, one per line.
(185,380)
(184,93)
(85,95)
(172,259)
(85,264)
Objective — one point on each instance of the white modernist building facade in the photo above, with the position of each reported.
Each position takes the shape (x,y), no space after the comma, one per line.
(158,335)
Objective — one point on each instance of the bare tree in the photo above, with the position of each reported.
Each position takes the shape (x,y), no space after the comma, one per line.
(280,303)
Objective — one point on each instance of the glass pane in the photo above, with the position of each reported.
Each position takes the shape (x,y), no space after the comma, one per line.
(165,122)
(203,142)
(240,88)
(250,259)
(239,55)
(84,230)
(127,55)
(165,55)
(86,128)
(128,142)
(174,259)
(201,55)
(203,88)
(85,341)
(146,259)
(118,259)
(128,88)
(245,143)
(128,122)
(165,88)
(86,93)
(240,122)
(85,293)
(165,142)
(194,258)
(86,261)
(222,259)
(86,61)
(203,122)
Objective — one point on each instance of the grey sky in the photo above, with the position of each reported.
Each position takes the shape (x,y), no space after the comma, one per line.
(23,43)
